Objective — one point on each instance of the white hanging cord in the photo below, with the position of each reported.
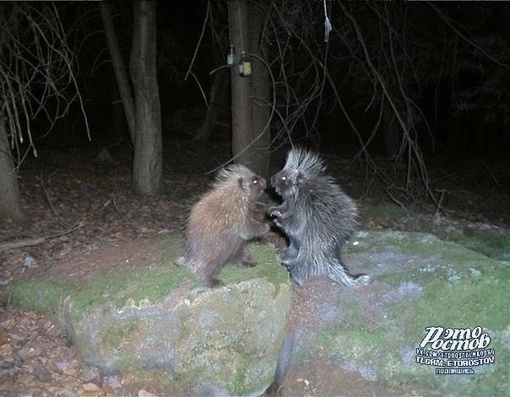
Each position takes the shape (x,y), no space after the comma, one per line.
(327,23)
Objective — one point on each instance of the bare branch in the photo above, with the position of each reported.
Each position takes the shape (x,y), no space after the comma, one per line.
(37,73)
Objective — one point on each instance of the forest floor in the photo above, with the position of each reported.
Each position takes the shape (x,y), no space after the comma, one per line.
(76,202)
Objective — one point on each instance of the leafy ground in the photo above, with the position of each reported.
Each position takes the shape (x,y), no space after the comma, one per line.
(80,211)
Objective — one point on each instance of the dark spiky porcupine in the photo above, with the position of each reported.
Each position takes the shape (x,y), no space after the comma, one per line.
(317,217)
(222,222)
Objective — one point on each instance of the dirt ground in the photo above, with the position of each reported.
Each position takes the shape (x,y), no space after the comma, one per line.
(81,212)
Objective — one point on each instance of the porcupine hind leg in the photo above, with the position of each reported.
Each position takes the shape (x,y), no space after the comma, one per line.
(299,267)
(288,256)
(207,274)
(242,257)
(224,252)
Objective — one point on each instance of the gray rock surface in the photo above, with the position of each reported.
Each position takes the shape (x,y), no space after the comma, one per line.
(229,336)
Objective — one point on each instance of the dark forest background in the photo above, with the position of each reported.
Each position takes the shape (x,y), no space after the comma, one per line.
(397,87)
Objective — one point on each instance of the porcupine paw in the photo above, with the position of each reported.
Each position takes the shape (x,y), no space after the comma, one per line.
(288,256)
(296,278)
(363,279)
(213,282)
(274,212)
(246,263)
(276,216)
(244,260)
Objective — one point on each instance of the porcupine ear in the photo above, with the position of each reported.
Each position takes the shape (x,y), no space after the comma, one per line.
(240,180)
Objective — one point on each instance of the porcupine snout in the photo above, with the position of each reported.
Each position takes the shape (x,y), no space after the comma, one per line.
(273,180)
(279,182)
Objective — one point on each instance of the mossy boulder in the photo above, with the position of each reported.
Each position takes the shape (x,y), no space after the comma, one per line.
(228,338)
(152,314)
(420,282)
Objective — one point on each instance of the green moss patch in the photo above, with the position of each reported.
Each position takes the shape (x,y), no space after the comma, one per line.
(148,279)
(493,245)
(40,296)
(151,278)
(265,259)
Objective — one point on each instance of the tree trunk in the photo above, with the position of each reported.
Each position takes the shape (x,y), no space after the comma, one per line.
(10,200)
(242,136)
(250,94)
(260,93)
(118,67)
(147,162)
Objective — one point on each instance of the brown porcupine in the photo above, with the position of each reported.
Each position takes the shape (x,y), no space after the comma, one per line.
(317,217)
(222,222)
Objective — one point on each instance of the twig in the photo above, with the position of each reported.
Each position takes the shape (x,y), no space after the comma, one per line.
(116,209)
(50,205)
(204,24)
(439,203)
(36,241)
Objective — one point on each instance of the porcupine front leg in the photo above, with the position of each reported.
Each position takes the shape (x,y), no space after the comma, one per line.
(281,213)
